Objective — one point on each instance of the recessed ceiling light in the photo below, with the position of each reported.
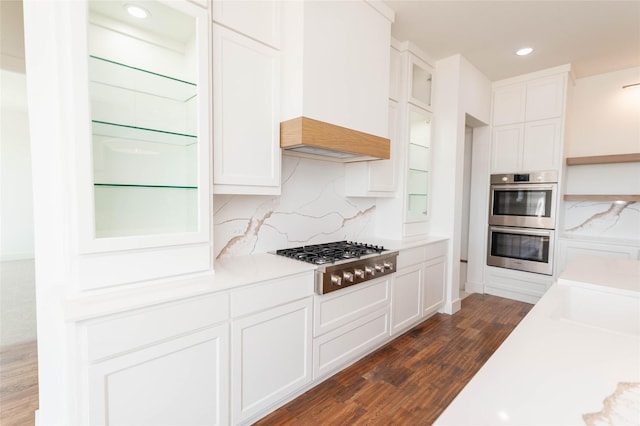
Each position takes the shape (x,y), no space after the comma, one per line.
(524,51)
(137,11)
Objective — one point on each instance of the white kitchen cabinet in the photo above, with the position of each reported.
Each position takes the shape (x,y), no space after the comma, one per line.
(541,148)
(348,324)
(246,93)
(135,111)
(406,298)
(527,147)
(516,285)
(528,117)
(537,99)
(160,365)
(418,165)
(271,357)
(259,20)
(377,178)
(406,214)
(271,332)
(396,79)
(418,286)
(420,82)
(435,271)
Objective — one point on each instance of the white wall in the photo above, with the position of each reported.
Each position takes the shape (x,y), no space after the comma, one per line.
(17,278)
(605,119)
(461,91)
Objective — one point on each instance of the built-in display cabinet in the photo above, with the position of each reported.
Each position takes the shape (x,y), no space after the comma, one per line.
(410,118)
(134,119)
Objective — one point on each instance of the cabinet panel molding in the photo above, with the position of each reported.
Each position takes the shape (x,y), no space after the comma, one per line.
(246,76)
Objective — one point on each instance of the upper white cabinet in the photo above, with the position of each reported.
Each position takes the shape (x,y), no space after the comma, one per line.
(377,178)
(420,82)
(335,63)
(246,149)
(528,122)
(259,20)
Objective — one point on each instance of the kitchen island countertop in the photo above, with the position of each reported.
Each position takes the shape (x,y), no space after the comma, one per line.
(573,360)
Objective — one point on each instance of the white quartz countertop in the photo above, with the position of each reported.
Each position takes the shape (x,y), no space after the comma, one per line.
(573,360)
(229,273)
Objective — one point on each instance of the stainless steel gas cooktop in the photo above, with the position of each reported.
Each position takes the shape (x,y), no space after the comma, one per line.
(344,263)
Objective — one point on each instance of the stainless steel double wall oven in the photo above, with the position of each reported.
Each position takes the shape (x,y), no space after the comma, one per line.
(522,221)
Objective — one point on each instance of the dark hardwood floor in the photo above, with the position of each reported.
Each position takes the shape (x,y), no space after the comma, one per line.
(409,381)
(412,379)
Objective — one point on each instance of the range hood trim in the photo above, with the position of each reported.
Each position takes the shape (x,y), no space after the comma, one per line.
(321,139)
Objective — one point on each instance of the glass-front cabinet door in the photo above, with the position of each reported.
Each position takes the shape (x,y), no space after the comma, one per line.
(419,161)
(148,96)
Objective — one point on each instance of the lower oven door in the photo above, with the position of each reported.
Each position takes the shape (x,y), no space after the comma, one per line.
(523,249)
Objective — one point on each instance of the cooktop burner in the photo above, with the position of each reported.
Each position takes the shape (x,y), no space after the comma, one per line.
(321,254)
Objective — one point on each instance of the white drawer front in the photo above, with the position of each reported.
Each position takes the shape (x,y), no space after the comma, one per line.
(435,250)
(411,256)
(350,342)
(124,332)
(271,293)
(344,306)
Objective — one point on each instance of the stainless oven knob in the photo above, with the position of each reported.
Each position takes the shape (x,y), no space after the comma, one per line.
(379,268)
(359,273)
(348,276)
(388,265)
(369,270)
(336,280)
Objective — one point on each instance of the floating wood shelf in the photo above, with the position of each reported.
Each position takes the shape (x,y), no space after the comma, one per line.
(602,197)
(603,159)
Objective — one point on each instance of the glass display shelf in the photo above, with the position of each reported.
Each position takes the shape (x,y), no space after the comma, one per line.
(135,185)
(115,74)
(122,131)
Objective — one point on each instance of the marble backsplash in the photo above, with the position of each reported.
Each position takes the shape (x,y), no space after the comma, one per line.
(603,220)
(311,209)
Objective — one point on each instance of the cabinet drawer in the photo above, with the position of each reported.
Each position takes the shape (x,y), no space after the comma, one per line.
(411,256)
(271,293)
(121,333)
(344,306)
(421,254)
(350,342)
(435,250)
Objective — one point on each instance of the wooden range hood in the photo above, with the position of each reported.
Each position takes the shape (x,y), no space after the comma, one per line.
(306,137)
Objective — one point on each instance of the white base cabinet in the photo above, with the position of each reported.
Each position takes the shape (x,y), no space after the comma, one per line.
(418,286)
(406,295)
(348,324)
(271,357)
(517,285)
(161,365)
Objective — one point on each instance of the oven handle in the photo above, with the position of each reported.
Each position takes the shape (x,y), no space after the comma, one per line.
(522,231)
(524,187)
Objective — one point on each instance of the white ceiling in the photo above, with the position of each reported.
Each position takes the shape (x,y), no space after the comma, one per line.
(594,36)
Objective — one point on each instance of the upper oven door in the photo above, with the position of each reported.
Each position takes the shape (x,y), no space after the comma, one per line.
(523,205)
